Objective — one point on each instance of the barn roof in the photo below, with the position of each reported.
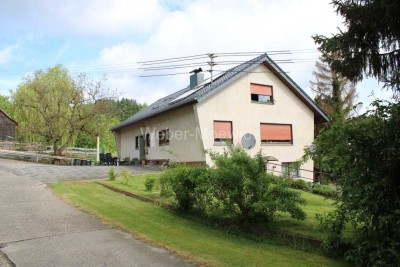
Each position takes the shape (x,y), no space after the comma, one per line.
(8,116)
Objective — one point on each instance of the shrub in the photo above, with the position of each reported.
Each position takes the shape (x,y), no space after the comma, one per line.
(237,188)
(188,184)
(363,156)
(125,176)
(300,184)
(324,190)
(112,174)
(149,183)
(245,190)
(165,184)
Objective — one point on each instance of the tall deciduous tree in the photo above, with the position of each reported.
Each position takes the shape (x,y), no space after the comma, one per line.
(53,107)
(128,107)
(118,110)
(371,44)
(5,104)
(335,94)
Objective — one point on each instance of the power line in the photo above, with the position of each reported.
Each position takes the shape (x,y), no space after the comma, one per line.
(271,52)
(167,74)
(174,66)
(220,71)
(163,61)
(167,64)
(227,62)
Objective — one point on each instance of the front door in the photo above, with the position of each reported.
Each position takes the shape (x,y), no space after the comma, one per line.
(142,155)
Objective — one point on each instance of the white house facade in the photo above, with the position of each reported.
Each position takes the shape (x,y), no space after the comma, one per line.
(255,98)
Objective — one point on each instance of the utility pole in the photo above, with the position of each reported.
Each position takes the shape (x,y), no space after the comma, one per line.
(211,63)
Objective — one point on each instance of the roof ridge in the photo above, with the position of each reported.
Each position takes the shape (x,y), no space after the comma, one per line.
(8,116)
(212,87)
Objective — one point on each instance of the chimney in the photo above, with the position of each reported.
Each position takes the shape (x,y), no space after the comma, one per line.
(196,78)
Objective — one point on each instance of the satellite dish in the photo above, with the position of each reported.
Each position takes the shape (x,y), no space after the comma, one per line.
(248,141)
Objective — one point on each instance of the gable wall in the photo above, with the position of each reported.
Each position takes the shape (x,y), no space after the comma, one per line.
(185,143)
(233,103)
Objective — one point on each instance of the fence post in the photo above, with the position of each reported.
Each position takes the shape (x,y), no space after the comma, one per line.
(98,149)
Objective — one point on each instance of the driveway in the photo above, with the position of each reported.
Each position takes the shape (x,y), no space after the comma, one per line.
(47,174)
(38,229)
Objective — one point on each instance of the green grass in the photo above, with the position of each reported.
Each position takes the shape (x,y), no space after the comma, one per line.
(189,238)
(136,185)
(309,228)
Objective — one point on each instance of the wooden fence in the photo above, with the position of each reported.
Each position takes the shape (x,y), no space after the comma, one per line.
(21,146)
(36,157)
(38,152)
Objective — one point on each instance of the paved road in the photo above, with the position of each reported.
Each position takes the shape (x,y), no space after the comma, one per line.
(38,229)
(46,174)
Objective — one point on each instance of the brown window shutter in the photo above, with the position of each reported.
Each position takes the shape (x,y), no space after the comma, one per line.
(222,129)
(276,132)
(260,89)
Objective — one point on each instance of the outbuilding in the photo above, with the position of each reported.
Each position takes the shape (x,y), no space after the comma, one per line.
(7,127)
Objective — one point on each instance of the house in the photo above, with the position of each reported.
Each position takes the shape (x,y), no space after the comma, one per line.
(7,127)
(255,98)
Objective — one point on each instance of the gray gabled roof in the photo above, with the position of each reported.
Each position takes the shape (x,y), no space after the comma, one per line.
(207,89)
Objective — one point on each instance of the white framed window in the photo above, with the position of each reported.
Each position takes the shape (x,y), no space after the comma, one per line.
(261,93)
(163,137)
(222,132)
(290,169)
(136,142)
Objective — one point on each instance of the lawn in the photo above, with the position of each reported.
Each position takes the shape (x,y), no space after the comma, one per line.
(136,185)
(189,238)
(309,228)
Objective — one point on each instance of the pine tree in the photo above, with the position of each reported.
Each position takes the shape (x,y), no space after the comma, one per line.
(335,94)
(370,44)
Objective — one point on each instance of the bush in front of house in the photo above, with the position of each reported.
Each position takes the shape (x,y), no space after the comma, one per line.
(324,190)
(165,184)
(300,184)
(188,185)
(149,183)
(125,176)
(112,174)
(236,187)
(247,192)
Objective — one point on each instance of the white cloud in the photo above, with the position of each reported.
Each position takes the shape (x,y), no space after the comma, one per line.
(6,54)
(223,26)
(125,53)
(155,29)
(89,17)
(121,63)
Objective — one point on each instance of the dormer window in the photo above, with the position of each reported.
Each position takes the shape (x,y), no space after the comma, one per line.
(261,93)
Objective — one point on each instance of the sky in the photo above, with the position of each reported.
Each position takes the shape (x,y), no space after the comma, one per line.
(107,38)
